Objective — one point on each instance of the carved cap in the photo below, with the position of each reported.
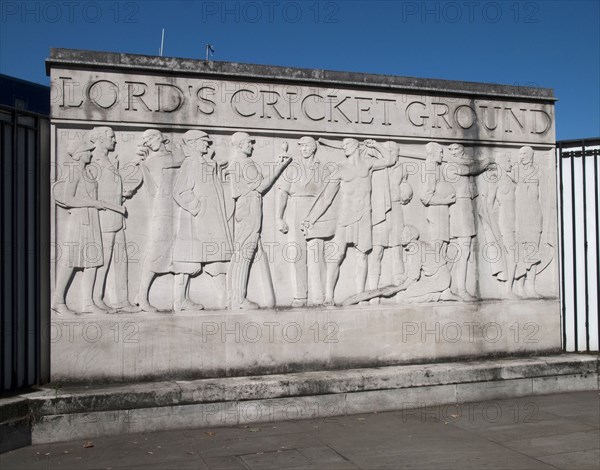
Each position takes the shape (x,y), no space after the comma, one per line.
(80,146)
(307,140)
(152,132)
(239,137)
(195,134)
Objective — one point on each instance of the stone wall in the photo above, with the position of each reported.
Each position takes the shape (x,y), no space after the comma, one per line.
(184,187)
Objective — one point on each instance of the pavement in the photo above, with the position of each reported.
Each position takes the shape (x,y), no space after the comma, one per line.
(538,432)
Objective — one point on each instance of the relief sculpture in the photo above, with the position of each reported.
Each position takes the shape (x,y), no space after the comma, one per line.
(203,239)
(205,214)
(352,180)
(459,171)
(114,189)
(390,191)
(158,167)
(303,180)
(78,193)
(529,223)
(248,184)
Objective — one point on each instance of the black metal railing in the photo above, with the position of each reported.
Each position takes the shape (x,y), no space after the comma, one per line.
(579,199)
(24,258)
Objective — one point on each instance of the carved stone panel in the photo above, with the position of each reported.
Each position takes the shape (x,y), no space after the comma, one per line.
(186,186)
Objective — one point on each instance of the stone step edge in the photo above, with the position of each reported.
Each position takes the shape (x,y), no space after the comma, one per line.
(178,393)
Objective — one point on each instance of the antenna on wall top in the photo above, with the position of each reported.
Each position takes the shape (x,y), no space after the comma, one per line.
(209,50)
(162,43)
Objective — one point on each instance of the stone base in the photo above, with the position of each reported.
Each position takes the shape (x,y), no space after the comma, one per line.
(58,414)
(206,344)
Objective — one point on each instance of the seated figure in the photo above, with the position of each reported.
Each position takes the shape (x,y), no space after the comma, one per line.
(426,275)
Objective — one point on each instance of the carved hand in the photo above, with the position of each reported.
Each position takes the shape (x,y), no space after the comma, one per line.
(143,152)
(284,158)
(306,226)
(282,226)
(370,143)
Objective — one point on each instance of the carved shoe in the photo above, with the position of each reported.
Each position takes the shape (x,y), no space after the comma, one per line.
(62,310)
(100,304)
(128,308)
(299,303)
(449,295)
(187,304)
(93,308)
(248,305)
(145,306)
(532,294)
(466,296)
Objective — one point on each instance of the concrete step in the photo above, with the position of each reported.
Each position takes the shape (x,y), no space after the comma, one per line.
(74,412)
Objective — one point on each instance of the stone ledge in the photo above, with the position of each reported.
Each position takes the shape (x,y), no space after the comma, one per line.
(168,393)
(75,412)
(76,57)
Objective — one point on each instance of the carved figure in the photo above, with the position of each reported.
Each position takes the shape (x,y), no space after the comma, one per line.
(203,238)
(529,222)
(426,277)
(354,224)
(296,191)
(113,189)
(158,167)
(459,171)
(82,240)
(248,185)
(497,212)
(437,196)
(390,191)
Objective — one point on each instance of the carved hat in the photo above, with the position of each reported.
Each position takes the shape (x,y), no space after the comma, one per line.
(152,132)
(80,146)
(239,137)
(196,134)
(307,140)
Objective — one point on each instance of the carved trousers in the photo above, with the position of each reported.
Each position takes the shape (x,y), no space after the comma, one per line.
(115,255)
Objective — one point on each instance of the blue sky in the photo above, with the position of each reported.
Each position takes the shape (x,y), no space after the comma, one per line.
(552,44)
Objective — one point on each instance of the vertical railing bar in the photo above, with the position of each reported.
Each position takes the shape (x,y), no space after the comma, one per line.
(25,241)
(13,307)
(38,262)
(585,248)
(3,358)
(595,156)
(562,247)
(574,241)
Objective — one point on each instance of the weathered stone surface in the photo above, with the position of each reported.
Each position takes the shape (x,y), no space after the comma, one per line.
(214,344)
(183,184)
(72,412)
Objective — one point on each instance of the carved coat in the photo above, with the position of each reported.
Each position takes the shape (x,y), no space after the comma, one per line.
(82,240)
(203,234)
